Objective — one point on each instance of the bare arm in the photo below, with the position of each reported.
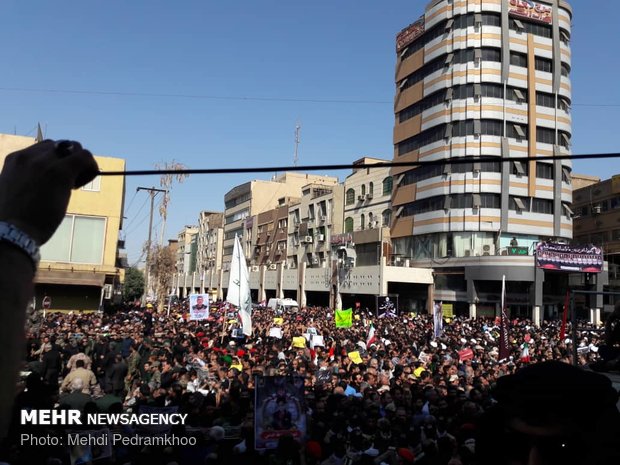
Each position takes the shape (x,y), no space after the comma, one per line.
(35,187)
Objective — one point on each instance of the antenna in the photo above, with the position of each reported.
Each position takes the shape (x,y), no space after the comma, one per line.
(297,132)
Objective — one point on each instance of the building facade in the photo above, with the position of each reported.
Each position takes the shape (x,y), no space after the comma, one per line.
(484,78)
(187,250)
(252,198)
(597,221)
(80,265)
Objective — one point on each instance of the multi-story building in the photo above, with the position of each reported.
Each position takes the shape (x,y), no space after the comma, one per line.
(368,211)
(597,221)
(80,267)
(271,236)
(484,78)
(210,240)
(187,250)
(252,198)
(312,222)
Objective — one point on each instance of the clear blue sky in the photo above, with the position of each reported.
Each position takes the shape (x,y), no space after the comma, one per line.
(320,49)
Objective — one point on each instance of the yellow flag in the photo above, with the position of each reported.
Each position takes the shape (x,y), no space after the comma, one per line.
(299,342)
(238,367)
(355,357)
(278,321)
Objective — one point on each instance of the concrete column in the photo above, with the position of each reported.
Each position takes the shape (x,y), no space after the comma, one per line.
(262,295)
(280,281)
(220,280)
(595,316)
(430,299)
(383,284)
(301,298)
(536,315)
(472,310)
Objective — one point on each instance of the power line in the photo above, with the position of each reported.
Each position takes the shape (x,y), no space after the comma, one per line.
(233,98)
(346,166)
(137,215)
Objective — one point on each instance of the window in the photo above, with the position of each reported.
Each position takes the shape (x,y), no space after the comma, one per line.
(432,100)
(564,139)
(350,197)
(348,224)
(519,204)
(387,186)
(362,221)
(490,201)
(462,201)
(519,168)
(545,100)
(545,135)
(371,188)
(564,36)
(429,136)
(236,232)
(542,206)
(518,95)
(531,28)
(93,186)
(566,176)
(543,64)
(567,211)
(78,239)
(516,131)
(518,59)
(565,69)
(386,217)
(240,215)
(363,189)
(544,170)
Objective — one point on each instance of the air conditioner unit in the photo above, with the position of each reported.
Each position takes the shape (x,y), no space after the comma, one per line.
(273,267)
(322,218)
(107,291)
(320,238)
(361,198)
(488,250)
(468,253)
(255,268)
(308,239)
(315,261)
(596,209)
(369,196)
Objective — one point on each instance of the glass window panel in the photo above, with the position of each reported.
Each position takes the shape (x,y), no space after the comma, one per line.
(88,238)
(58,247)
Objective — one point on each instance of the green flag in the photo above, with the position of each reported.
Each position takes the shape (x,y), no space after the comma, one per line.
(344,318)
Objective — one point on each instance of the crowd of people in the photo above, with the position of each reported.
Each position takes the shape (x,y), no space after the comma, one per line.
(415,395)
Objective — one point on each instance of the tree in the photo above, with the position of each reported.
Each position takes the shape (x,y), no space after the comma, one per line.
(166,182)
(163,267)
(133,287)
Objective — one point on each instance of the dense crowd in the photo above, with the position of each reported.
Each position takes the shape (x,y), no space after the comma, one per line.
(416,396)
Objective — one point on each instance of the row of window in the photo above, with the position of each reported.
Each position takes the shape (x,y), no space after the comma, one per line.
(480,90)
(387,190)
(540,63)
(368,222)
(444,27)
(476,19)
(447,202)
(488,127)
(467,55)
(600,206)
(543,170)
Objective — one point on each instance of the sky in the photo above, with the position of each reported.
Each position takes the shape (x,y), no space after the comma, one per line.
(215,84)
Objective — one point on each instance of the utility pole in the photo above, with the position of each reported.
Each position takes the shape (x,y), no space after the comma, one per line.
(152,192)
(297,140)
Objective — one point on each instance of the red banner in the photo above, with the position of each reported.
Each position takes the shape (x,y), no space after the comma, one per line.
(531,10)
(466,354)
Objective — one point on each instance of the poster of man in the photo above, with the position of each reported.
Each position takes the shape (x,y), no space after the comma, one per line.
(198,306)
(279,411)
(387,306)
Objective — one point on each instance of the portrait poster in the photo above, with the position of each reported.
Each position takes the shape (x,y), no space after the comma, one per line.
(279,410)
(387,306)
(198,307)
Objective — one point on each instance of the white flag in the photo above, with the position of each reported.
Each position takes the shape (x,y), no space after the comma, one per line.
(239,287)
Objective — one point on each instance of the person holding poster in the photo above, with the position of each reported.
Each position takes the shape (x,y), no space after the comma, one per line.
(199,307)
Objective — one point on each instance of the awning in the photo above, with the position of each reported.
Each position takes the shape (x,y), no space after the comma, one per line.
(70,278)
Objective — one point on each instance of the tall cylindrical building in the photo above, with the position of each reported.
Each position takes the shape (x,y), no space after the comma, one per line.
(473,78)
